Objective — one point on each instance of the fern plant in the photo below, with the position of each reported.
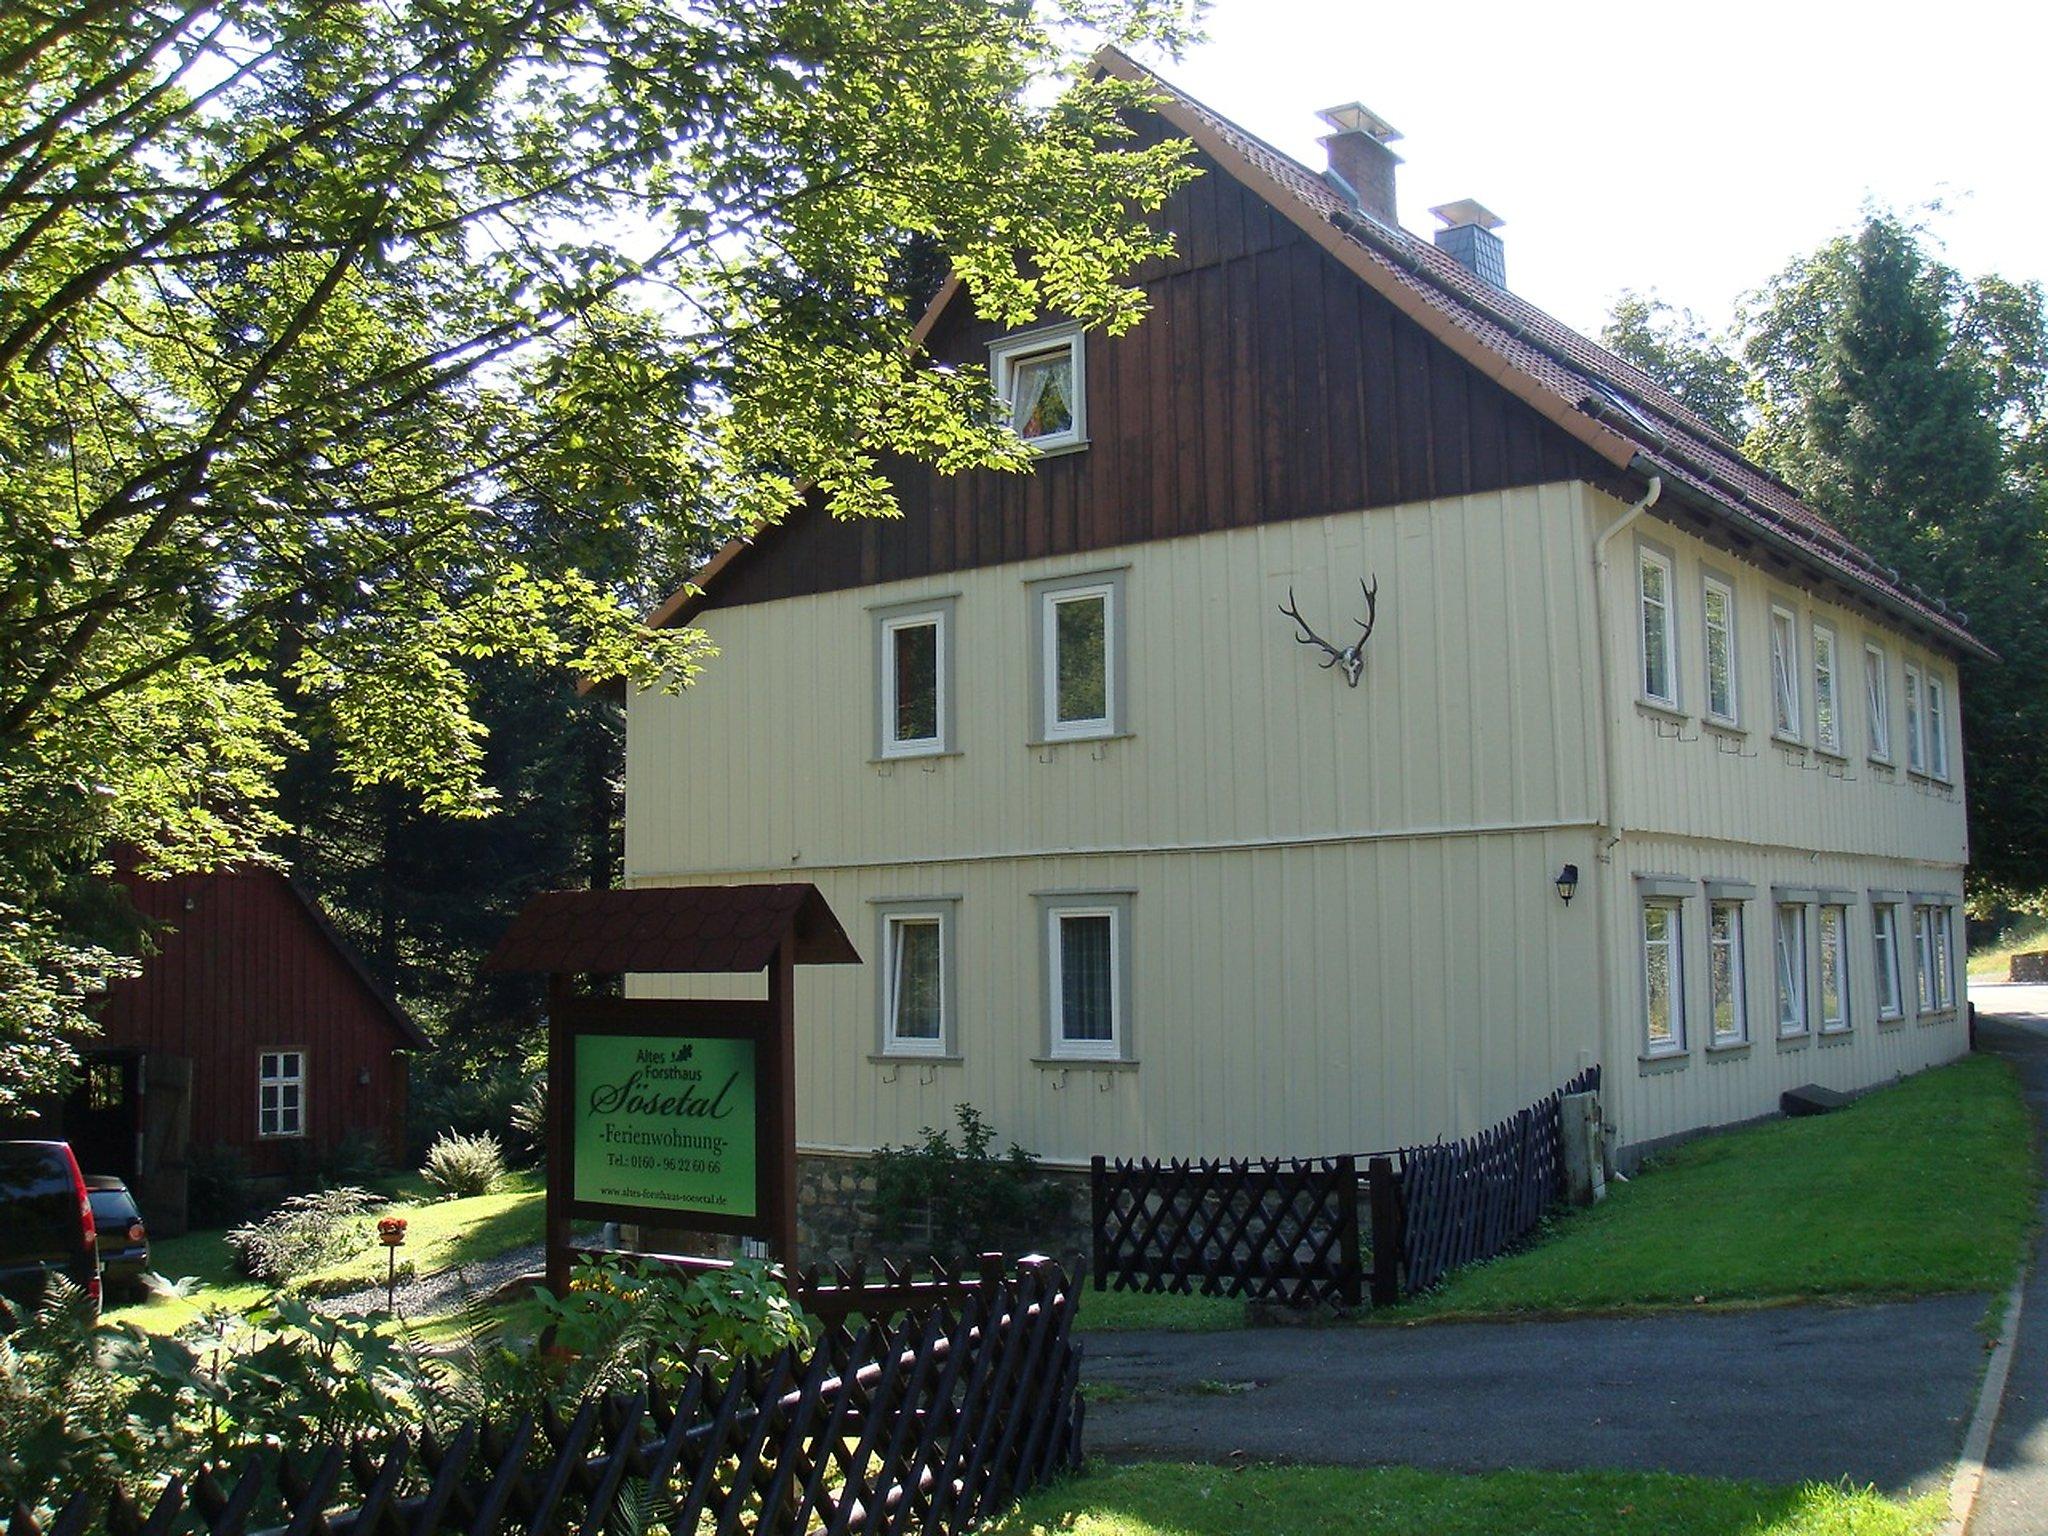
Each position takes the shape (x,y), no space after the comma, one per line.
(460,1166)
(305,1233)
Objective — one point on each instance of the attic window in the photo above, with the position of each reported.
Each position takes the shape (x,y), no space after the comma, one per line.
(1042,381)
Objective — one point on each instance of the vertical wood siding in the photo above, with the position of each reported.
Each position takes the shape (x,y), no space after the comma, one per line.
(244,969)
(1331,950)
(1702,802)
(1266,383)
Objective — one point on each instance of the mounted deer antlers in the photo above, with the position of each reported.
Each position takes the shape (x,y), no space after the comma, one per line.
(1352,657)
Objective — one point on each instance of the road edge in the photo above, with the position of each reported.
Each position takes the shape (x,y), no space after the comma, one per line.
(1968,1479)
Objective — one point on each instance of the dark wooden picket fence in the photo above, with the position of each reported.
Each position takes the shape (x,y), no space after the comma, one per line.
(925,1424)
(1288,1229)
(1463,1201)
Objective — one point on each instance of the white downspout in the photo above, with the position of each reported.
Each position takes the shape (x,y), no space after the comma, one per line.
(1616,1051)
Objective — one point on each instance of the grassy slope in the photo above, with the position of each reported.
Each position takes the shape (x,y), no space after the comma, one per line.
(1994,961)
(439,1233)
(1923,1187)
(1169,1500)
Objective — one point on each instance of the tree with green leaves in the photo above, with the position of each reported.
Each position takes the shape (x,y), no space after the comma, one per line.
(1675,348)
(1909,405)
(307,306)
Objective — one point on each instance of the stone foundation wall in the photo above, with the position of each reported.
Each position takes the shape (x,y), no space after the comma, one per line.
(835,1194)
(2031,967)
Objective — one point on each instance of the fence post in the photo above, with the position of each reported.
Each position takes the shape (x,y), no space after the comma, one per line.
(1098,1215)
(1348,1255)
(1385,1191)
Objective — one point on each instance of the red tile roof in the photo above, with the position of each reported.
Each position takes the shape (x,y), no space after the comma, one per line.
(671,928)
(1579,374)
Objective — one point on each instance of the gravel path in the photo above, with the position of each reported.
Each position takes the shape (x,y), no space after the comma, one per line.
(425,1295)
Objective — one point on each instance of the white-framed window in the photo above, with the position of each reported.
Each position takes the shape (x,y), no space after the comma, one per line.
(1944,960)
(1877,690)
(1725,974)
(1884,933)
(1660,633)
(1937,727)
(1663,977)
(1916,722)
(1926,986)
(1086,984)
(1834,968)
(1791,948)
(913,684)
(1041,377)
(1078,662)
(280,1093)
(1784,673)
(915,1004)
(1827,707)
(1719,606)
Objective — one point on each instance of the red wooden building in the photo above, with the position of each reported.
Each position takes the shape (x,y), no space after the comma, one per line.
(256,1026)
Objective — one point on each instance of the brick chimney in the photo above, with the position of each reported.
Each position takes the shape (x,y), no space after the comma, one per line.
(1359,157)
(1468,238)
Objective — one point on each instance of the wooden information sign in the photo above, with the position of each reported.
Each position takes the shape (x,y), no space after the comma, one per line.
(664,1112)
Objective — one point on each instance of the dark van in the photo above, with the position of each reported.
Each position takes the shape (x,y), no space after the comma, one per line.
(46,1222)
(124,1239)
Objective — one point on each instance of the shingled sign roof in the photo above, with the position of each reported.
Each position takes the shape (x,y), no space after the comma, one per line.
(671,928)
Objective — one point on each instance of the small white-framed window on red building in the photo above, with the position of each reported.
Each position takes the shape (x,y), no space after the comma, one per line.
(281,1094)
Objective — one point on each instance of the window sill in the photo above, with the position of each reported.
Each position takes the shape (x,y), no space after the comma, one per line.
(1798,1042)
(1086,1063)
(281,1136)
(1789,743)
(1939,1016)
(1036,743)
(1059,449)
(1895,1021)
(1651,1063)
(1730,1050)
(1660,709)
(916,1058)
(1882,764)
(935,755)
(1832,755)
(1840,1035)
(1734,728)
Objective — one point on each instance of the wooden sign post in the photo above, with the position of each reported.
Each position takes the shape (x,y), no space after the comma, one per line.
(667,1112)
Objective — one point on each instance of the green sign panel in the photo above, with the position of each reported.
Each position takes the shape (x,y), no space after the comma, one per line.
(664,1122)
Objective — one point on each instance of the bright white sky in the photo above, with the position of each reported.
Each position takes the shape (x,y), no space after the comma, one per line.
(1689,150)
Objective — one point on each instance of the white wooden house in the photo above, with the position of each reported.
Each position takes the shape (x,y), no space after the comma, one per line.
(1134,871)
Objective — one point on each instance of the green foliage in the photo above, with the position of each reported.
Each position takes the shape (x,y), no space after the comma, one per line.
(348,350)
(963,1199)
(462,1166)
(217,1188)
(465,1100)
(625,1325)
(1673,347)
(305,1233)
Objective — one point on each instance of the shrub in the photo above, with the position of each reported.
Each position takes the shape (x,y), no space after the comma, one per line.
(471,1105)
(963,1200)
(529,1139)
(217,1188)
(464,1165)
(628,1325)
(306,1233)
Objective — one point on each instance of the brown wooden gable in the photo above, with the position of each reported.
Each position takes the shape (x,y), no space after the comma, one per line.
(1267,383)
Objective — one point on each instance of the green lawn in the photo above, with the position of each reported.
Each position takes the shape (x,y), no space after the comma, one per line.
(439,1233)
(1161,1499)
(1923,1187)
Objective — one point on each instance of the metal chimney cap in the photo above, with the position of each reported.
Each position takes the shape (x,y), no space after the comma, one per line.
(1466,211)
(1356,117)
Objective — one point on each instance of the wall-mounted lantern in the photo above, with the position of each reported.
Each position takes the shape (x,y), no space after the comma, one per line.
(1568,882)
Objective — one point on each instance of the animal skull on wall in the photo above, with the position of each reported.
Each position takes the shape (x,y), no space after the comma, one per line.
(1352,657)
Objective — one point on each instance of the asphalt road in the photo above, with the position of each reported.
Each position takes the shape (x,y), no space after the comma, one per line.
(2014,1498)
(1878,1394)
